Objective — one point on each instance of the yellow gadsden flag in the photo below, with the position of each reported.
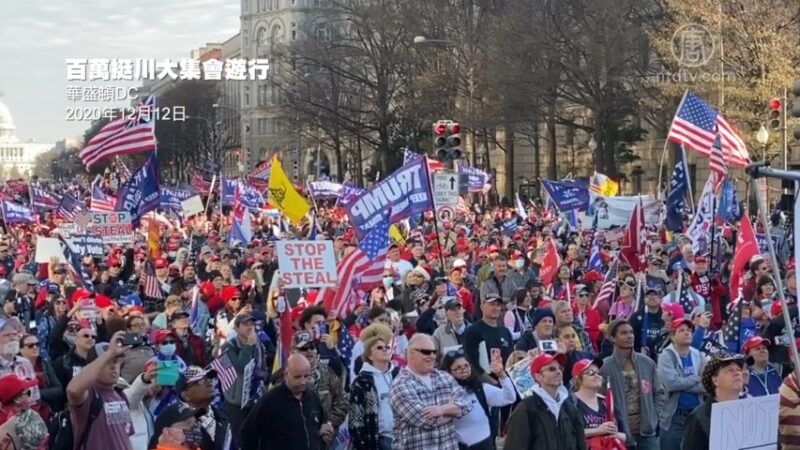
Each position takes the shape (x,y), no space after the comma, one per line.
(283,196)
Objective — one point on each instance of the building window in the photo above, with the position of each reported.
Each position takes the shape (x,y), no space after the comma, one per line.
(276,4)
(262,5)
(247,96)
(262,126)
(322,32)
(274,93)
(263,37)
(262,95)
(293,28)
(277,35)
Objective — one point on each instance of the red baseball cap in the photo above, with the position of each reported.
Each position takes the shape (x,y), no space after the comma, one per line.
(492,248)
(162,334)
(582,365)
(673,308)
(545,359)
(11,386)
(161,263)
(676,323)
(754,342)
(113,262)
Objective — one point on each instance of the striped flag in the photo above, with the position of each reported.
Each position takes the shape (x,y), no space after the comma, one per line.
(461,206)
(100,201)
(717,164)
(132,133)
(68,206)
(226,373)
(361,268)
(609,286)
(150,284)
(696,125)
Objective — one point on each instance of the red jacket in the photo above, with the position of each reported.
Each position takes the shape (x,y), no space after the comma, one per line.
(214,299)
(711,289)
(591,325)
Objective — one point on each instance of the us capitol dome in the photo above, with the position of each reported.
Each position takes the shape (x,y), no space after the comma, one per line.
(17,159)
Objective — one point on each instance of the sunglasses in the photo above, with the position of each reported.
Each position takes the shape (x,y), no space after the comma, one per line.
(583,294)
(455,353)
(381,348)
(426,351)
(31,345)
(89,336)
(630,285)
(306,348)
(73,329)
(167,342)
(592,372)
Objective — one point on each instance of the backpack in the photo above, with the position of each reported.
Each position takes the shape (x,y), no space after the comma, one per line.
(59,426)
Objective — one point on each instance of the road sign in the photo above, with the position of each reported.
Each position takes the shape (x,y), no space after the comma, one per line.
(446,213)
(445,189)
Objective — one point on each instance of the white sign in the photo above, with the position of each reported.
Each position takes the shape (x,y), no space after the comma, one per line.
(445,189)
(306,264)
(192,205)
(47,248)
(750,423)
(66,229)
(115,227)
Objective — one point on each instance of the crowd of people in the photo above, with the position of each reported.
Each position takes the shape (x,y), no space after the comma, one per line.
(211,352)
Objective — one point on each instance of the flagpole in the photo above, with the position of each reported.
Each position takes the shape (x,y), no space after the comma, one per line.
(210,192)
(435,219)
(666,143)
(686,173)
(311,194)
(713,227)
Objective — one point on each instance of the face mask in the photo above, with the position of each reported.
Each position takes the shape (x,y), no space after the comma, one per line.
(171,255)
(440,315)
(193,436)
(388,281)
(519,264)
(12,348)
(167,350)
(69,339)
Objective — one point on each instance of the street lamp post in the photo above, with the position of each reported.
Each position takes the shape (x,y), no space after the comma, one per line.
(763,138)
(244,153)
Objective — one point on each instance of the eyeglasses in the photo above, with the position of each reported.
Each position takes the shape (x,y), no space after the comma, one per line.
(31,345)
(89,336)
(426,351)
(73,329)
(592,372)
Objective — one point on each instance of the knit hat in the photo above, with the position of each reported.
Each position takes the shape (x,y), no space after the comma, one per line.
(541,313)
(712,368)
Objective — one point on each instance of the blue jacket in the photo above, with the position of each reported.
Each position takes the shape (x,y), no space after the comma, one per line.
(766,383)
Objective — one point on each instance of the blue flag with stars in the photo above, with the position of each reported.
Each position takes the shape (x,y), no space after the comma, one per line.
(729,209)
(676,196)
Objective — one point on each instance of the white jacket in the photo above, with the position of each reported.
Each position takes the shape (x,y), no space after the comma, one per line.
(141,417)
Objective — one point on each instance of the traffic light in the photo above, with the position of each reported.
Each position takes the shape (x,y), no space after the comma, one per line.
(796,106)
(454,140)
(440,139)
(447,140)
(775,113)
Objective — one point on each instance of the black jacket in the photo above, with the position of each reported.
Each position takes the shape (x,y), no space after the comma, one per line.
(280,421)
(533,427)
(697,430)
(65,366)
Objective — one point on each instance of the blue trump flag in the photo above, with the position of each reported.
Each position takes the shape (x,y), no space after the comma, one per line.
(171,198)
(568,194)
(510,226)
(406,192)
(476,178)
(73,259)
(729,209)
(14,213)
(250,196)
(142,193)
(676,196)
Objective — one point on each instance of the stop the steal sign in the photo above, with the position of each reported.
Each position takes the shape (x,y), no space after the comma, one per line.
(306,264)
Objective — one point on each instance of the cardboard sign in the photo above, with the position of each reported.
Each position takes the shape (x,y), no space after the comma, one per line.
(87,244)
(114,227)
(749,423)
(306,264)
(47,248)
(192,205)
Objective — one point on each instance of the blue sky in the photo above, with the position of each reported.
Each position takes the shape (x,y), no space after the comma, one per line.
(37,36)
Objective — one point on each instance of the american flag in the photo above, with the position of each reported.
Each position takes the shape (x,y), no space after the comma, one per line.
(364,264)
(101,201)
(226,373)
(68,206)
(200,185)
(345,347)
(732,329)
(461,206)
(615,443)
(150,284)
(685,298)
(696,124)
(717,164)
(609,287)
(132,133)
(75,267)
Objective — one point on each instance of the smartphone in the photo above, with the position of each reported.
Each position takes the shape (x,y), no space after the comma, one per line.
(548,346)
(497,357)
(132,339)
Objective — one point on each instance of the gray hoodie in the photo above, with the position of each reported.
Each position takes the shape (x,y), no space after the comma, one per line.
(554,405)
(383,381)
(670,372)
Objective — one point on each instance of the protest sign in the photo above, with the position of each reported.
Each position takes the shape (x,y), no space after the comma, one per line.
(192,205)
(46,248)
(750,423)
(568,194)
(777,242)
(616,211)
(325,189)
(405,192)
(87,244)
(113,227)
(520,374)
(171,197)
(476,179)
(306,264)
